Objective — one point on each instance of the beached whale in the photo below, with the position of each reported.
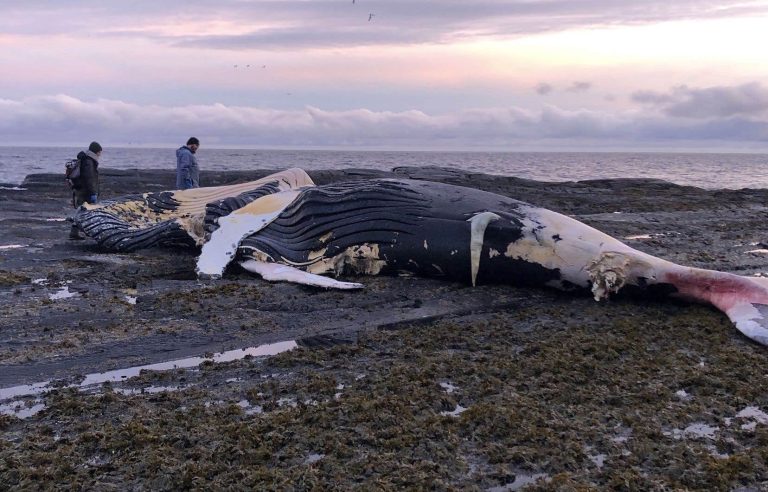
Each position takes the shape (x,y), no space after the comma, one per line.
(407,227)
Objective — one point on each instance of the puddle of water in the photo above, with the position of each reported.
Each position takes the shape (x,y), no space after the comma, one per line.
(521,480)
(751,426)
(130,372)
(122,374)
(754,413)
(717,454)
(20,409)
(290,402)
(449,387)
(62,293)
(598,459)
(14,188)
(638,237)
(455,412)
(313,458)
(40,281)
(130,299)
(695,431)
(148,389)
(622,434)
(757,416)
(758,251)
(11,246)
(55,219)
(23,390)
(681,394)
(250,409)
(260,351)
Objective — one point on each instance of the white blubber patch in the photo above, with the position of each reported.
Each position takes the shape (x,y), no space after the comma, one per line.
(233,228)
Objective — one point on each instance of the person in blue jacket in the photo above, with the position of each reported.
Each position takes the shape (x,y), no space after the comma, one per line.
(187,171)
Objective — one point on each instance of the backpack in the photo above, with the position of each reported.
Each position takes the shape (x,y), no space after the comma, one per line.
(71,171)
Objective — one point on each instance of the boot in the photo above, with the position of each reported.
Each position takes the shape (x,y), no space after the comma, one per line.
(75,233)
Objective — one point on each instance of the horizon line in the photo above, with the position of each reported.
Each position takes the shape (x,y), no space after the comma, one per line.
(492,150)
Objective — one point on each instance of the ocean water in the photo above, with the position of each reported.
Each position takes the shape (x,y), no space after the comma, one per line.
(734,171)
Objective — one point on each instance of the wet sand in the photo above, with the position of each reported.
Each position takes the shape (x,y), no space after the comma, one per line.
(409,383)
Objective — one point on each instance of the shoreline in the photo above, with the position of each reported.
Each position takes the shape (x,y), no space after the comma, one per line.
(437,382)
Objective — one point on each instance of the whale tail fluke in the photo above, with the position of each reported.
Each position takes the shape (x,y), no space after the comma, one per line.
(751,319)
(743,299)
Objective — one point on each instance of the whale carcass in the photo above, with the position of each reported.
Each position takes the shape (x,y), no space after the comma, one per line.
(290,230)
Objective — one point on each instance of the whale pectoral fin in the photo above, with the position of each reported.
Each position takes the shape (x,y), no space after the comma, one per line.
(233,228)
(479,223)
(276,272)
(751,319)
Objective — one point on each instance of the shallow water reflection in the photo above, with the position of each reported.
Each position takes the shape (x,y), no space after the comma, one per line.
(118,375)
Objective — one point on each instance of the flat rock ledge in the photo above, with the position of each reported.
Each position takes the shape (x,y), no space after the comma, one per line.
(410,383)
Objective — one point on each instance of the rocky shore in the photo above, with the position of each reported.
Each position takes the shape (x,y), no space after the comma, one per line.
(409,383)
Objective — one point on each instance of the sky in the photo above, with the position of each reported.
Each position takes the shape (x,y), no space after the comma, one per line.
(528,75)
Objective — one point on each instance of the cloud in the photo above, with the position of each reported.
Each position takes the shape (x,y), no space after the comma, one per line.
(268,24)
(65,120)
(712,102)
(579,86)
(544,88)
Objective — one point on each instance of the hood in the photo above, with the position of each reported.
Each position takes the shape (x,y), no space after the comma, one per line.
(183,149)
(92,155)
(87,153)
